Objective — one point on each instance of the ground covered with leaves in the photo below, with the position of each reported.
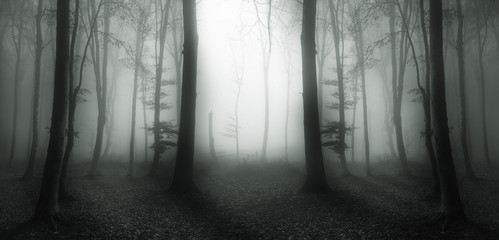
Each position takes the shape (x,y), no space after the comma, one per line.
(245,201)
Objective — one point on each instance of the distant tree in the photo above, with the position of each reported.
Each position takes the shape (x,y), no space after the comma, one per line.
(337,23)
(462,93)
(315,180)
(450,203)
(213,153)
(48,202)
(398,82)
(175,49)
(164,14)
(100,81)
(324,49)
(36,93)
(182,177)
(16,11)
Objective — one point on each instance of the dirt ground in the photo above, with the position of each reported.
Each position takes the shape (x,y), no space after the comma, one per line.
(252,201)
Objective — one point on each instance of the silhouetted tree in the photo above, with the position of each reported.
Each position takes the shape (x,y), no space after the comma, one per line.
(450,203)
(48,202)
(182,177)
(213,153)
(315,180)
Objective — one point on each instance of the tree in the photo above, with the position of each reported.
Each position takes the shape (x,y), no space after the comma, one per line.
(36,94)
(337,25)
(139,46)
(213,153)
(462,93)
(315,180)
(397,84)
(450,202)
(16,11)
(164,12)
(100,82)
(182,177)
(48,202)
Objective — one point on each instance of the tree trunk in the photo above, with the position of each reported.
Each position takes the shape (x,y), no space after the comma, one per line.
(182,177)
(462,92)
(360,51)
(450,203)
(341,88)
(397,89)
(213,153)
(354,118)
(157,90)
(138,57)
(427,104)
(144,116)
(36,94)
(18,48)
(48,206)
(315,180)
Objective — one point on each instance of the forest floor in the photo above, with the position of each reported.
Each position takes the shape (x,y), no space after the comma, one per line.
(246,201)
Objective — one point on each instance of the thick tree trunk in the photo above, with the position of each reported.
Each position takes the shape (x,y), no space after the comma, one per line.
(36,94)
(427,104)
(157,90)
(462,92)
(213,153)
(450,203)
(315,180)
(182,177)
(48,205)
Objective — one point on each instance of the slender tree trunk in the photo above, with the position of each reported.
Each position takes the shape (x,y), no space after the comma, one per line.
(182,177)
(237,119)
(397,89)
(481,47)
(462,92)
(315,180)
(157,90)
(288,87)
(138,57)
(450,203)
(48,205)
(341,89)
(354,118)
(144,115)
(266,63)
(213,153)
(36,94)
(364,97)
(18,48)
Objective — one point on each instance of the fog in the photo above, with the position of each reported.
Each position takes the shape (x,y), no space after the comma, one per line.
(231,37)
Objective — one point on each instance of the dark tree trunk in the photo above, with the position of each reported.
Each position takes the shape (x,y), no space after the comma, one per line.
(450,203)
(427,104)
(48,206)
(18,48)
(213,153)
(360,52)
(182,177)
(341,87)
(315,180)
(157,89)
(36,94)
(354,118)
(462,92)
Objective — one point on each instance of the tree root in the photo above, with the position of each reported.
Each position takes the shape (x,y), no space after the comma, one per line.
(445,221)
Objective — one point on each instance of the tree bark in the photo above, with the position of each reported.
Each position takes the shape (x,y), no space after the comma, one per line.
(182,177)
(315,180)
(450,203)
(48,206)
